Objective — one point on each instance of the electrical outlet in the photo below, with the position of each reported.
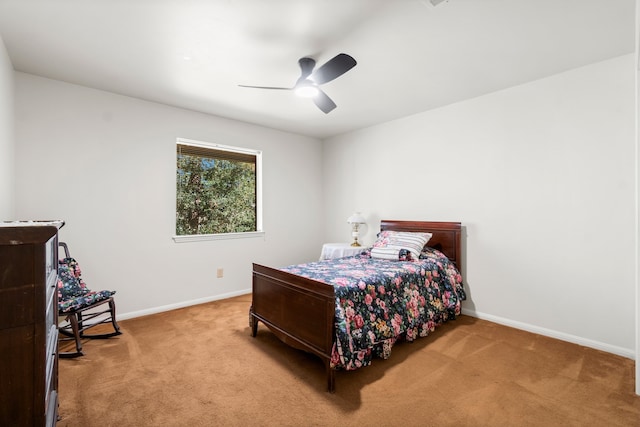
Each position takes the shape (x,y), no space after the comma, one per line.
(220,273)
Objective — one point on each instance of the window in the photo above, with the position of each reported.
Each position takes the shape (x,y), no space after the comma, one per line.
(217,191)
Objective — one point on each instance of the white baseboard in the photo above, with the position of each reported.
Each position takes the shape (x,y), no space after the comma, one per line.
(621,351)
(154,310)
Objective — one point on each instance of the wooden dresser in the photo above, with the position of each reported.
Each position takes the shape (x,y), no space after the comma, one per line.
(28,323)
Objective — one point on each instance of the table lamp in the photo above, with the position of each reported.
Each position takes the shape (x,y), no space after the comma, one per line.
(355,220)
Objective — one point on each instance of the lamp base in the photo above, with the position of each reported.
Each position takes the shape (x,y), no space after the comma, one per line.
(356,244)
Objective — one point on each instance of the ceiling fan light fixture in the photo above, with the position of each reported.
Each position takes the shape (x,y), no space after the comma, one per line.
(307,90)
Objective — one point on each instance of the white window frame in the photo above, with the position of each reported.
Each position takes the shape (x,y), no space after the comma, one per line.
(225,236)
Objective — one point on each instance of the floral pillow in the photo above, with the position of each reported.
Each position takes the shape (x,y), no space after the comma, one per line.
(392,254)
(396,245)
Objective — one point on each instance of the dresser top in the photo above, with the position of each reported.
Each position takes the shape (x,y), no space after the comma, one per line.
(28,232)
(48,223)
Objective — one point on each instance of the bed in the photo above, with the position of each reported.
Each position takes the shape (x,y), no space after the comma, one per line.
(349,310)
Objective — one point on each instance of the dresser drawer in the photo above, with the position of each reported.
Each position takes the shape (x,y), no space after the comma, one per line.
(52,409)
(51,354)
(52,287)
(51,256)
(51,316)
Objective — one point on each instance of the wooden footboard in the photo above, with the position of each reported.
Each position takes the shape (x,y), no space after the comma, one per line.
(297,310)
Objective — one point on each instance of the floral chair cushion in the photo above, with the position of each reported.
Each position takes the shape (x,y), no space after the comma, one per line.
(73,293)
(70,283)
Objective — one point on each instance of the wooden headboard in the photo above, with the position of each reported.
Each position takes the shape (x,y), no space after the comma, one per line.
(446,235)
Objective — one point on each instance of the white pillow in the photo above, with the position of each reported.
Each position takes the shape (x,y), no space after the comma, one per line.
(389,244)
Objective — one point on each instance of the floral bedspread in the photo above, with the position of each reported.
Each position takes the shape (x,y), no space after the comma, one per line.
(379,301)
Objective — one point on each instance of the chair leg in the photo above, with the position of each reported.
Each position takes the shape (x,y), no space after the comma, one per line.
(112,306)
(79,323)
(73,321)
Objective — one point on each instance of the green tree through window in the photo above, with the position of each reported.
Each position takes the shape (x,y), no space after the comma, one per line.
(216,190)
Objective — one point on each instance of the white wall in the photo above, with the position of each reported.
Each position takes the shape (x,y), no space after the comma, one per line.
(542,178)
(105,164)
(6,136)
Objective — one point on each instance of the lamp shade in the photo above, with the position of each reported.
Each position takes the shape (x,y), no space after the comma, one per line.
(356,218)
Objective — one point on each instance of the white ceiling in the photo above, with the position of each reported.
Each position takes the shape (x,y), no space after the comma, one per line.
(411,55)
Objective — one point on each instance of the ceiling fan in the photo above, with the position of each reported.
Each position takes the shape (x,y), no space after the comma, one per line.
(309,81)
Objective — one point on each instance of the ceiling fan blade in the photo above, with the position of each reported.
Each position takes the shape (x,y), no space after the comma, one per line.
(323,102)
(267,87)
(333,68)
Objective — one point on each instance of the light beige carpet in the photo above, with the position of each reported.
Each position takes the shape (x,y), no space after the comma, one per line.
(199,366)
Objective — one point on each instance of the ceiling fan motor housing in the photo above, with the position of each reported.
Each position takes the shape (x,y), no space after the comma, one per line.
(306,67)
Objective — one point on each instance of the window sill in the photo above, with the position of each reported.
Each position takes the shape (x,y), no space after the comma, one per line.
(225,236)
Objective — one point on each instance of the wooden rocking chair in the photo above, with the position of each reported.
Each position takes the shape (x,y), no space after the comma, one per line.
(82,308)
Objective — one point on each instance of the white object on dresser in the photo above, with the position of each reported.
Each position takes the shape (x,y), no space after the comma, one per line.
(339,250)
